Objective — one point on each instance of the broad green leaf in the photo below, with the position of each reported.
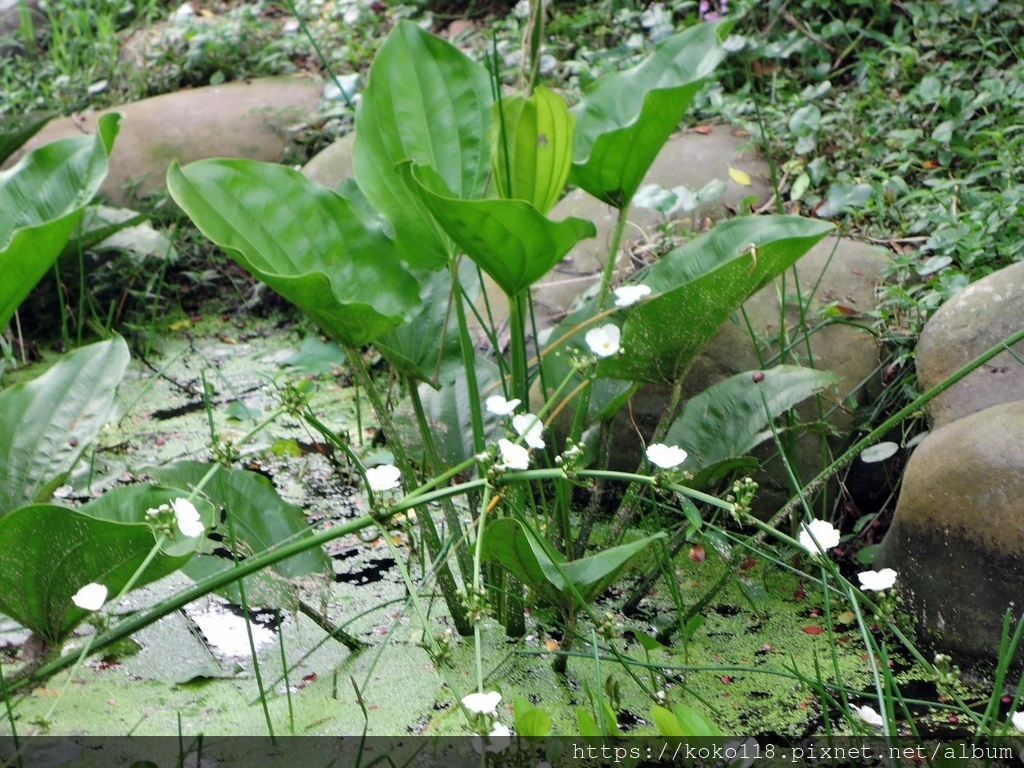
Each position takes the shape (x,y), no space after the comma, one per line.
(587,723)
(261,520)
(447,409)
(16,130)
(417,348)
(509,544)
(666,722)
(46,423)
(305,241)
(425,101)
(531,147)
(530,721)
(843,196)
(729,418)
(593,574)
(695,724)
(41,202)
(626,117)
(50,552)
(317,357)
(698,285)
(509,239)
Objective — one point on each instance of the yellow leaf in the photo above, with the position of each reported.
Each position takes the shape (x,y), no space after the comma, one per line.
(181,325)
(740,177)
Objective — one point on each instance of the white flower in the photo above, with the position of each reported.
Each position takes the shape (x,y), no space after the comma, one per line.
(91,597)
(482,703)
(1017,718)
(187,516)
(500,406)
(531,428)
(665,456)
(877,580)
(604,341)
(818,536)
(500,738)
(383,478)
(626,295)
(868,715)
(513,456)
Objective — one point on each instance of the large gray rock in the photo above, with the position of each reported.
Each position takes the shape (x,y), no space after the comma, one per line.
(245,119)
(957,539)
(978,317)
(333,164)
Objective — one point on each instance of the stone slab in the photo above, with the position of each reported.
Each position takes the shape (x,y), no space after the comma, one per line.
(249,119)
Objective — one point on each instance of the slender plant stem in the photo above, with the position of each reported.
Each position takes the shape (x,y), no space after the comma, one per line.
(451,516)
(202,588)
(613,254)
(445,578)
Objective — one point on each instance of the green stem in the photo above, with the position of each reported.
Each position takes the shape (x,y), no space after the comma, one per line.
(517,340)
(434,462)
(445,578)
(468,361)
(613,254)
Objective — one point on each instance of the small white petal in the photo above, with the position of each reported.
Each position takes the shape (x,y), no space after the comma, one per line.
(91,597)
(383,478)
(604,341)
(500,738)
(820,531)
(187,516)
(627,295)
(531,428)
(868,715)
(877,580)
(879,452)
(513,456)
(482,703)
(1017,718)
(500,406)
(665,456)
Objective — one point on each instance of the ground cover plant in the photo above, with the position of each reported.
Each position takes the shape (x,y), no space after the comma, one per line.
(505,507)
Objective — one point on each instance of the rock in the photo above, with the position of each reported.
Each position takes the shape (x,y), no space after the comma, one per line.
(332,165)
(245,119)
(14,15)
(957,538)
(975,319)
(841,271)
